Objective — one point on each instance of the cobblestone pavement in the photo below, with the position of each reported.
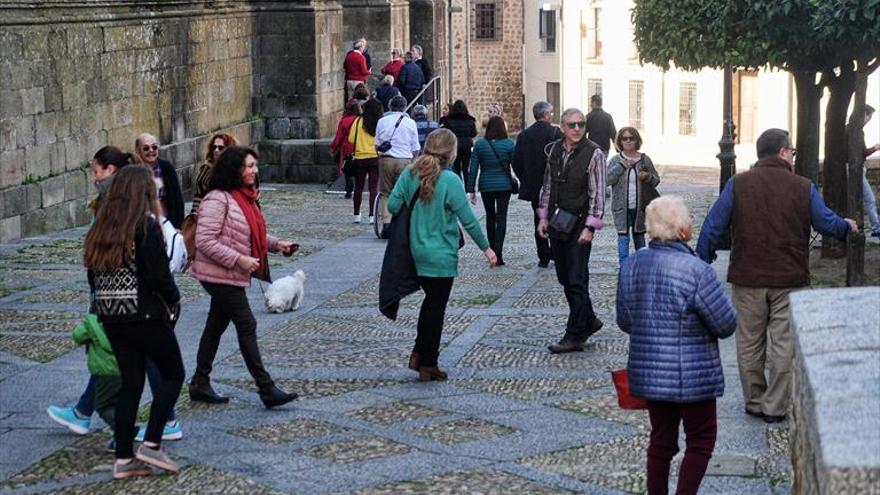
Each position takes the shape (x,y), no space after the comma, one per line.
(512,418)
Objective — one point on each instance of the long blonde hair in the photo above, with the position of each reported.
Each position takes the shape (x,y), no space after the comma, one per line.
(440,148)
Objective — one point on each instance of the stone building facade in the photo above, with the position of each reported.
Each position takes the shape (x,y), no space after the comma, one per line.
(487,57)
(81,74)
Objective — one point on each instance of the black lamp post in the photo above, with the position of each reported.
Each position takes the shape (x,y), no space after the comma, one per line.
(727,157)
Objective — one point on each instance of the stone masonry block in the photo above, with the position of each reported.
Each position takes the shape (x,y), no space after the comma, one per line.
(75,185)
(37,162)
(36,45)
(7,135)
(32,101)
(278,128)
(11,46)
(25,134)
(10,229)
(58,157)
(53,191)
(74,95)
(10,103)
(298,152)
(14,200)
(33,197)
(75,152)
(12,167)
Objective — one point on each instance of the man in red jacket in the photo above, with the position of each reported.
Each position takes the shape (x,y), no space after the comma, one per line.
(356,70)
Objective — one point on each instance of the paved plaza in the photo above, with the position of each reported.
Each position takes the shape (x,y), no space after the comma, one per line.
(512,418)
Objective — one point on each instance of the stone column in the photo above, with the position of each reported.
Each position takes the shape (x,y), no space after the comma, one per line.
(298,54)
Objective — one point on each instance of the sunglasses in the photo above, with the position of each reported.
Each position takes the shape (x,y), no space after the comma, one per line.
(146,148)
(215,147)
(581,124)
(627,138)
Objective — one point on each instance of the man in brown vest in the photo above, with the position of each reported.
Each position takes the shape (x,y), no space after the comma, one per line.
(769,211)
(571,207)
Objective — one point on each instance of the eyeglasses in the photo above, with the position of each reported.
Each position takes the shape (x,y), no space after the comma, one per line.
(581,124)
(627,138)
(146,148)
(793,151)
(215,147)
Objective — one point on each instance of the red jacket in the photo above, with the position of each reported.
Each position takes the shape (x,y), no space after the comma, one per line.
(393,68)
(340,142)
(356,66)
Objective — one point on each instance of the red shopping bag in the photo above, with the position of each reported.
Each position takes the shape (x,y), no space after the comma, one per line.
(624,399)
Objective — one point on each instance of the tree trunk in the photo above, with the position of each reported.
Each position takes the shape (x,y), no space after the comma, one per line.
(834,166)
(855,243)
(809,95)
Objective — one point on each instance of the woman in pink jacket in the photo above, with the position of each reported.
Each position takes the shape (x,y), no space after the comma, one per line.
(231,246)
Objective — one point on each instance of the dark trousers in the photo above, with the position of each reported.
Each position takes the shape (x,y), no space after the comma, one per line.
(410,94)
(133,343)
(572,270)
(700,428)
(349,184)
(430,326)
(363,169)
(496,204)
(542,245)
(229,303)
(462,163)
(88,402)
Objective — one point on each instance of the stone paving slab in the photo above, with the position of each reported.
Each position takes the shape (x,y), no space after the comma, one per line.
(512,418)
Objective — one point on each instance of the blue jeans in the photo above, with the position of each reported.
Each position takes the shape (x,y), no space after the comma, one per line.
(870,202)
(623,239)
(86,404)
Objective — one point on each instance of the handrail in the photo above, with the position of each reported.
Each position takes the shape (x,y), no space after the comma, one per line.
(435,81)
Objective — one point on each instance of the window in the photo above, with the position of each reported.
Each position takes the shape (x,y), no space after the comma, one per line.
(594,35)
(547,30)
(594,87)
(687,109)
(553,97)
(636,102)
(487,20)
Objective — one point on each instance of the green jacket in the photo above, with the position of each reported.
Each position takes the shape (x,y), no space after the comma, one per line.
(101,359)
(434,225)
(492,172)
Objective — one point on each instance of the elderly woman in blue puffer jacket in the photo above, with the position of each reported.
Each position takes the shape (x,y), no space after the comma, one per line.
(675,309)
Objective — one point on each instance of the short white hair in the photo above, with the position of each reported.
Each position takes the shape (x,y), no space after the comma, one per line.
(568,113)
(388,80)
(665,217)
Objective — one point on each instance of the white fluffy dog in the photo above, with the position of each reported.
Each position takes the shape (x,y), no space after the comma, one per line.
(286,293)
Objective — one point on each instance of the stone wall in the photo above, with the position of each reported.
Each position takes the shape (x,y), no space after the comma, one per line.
(490,72)
(81,74)
(835,431)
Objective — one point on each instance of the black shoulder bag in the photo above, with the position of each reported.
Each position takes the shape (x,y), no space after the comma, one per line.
(386,145)
(514,184)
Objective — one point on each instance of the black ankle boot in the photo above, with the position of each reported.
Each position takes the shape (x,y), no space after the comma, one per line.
(201,391)
(273,396)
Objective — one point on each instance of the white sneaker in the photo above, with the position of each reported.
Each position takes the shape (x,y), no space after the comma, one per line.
(357,218)
(372,220)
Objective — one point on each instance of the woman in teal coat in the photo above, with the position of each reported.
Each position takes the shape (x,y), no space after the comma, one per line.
(491,158)
(434,240)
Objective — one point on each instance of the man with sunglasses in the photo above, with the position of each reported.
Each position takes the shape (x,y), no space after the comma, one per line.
(769,211)
(571,208)
(167,184)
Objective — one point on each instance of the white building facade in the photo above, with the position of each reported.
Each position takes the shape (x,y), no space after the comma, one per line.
(576,48)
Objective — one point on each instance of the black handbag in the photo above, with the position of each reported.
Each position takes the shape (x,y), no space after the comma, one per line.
(386,145)
(514,184)
(398,278)
(562,224)
(348,166)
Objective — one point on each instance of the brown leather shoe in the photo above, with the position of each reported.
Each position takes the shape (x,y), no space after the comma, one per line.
(432,373)
(566,345)
(415,360)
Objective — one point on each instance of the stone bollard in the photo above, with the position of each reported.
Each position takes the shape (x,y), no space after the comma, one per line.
(835,432)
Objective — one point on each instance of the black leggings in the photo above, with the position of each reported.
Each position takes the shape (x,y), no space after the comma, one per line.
(430,327)
(230,303)
(496,204)
(462,163)
(132,344)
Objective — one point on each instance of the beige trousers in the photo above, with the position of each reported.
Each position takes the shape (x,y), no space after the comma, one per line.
(764,338)
(389,171)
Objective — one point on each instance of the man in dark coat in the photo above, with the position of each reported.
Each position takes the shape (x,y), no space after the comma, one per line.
(410,78)
(600,125)
(530,163)
(427,72)
(167,184)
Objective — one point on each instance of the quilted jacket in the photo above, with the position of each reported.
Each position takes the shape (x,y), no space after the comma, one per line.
(222,236)
(674,309)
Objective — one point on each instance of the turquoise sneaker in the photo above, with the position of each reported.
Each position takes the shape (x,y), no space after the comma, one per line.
(67,417)
(170,432)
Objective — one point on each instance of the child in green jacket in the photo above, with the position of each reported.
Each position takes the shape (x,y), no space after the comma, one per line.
(102,364)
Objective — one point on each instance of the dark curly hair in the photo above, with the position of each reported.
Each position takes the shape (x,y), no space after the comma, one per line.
(226,174)
(373,111)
